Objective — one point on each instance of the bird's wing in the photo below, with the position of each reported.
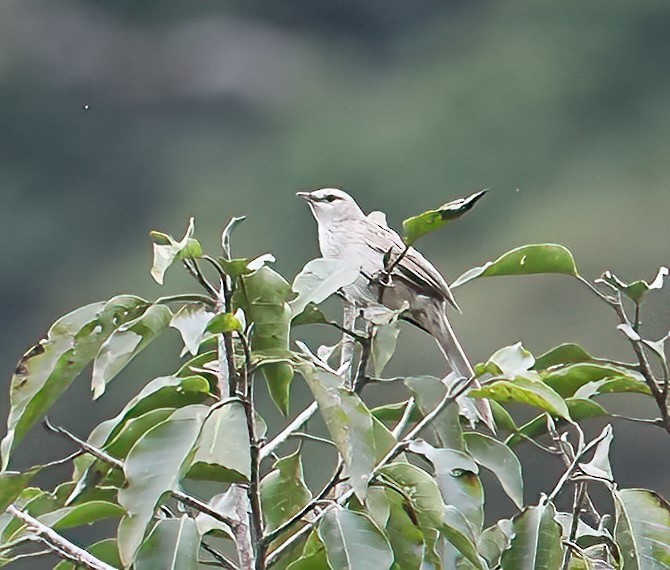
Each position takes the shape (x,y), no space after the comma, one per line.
(413,267)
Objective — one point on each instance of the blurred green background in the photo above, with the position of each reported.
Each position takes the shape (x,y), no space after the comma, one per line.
(120,117)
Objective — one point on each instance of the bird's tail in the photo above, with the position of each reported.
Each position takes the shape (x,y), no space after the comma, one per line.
(440,329)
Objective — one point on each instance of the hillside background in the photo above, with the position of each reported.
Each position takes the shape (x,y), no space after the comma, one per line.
(120,117)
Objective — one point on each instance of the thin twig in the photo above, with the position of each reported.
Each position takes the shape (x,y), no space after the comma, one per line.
(311,437)
(219,557)
(194,269)
(118,464)
(580,490)
(282,436)
(327,488)
(58,543)
(398,448)
(573,465)
(191,297)
(404,420)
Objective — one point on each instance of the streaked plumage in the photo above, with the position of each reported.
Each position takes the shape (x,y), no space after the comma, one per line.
(346,232)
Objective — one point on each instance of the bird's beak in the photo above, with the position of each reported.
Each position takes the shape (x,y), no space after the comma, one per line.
(306,195)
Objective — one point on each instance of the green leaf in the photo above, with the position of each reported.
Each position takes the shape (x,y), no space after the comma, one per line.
(264,296)
(427,392)
(12,483)
(569,380)
(457,477)
(311,315)
(105,550)
(642,529)
(95,472)
(48,369)
(349,423)
(458,532)
(425,502)
(384,339)
(223,323)
(637,289)
(319,279)
(500,460)
(283,491)
(191,321)
(226,504)
(525,260)
(78,515)
(536,542)
(167,249)
(495,540)
(431,220)
(394,412)
(32,500)
(173,544)
(153,467)
(579,410)
(510,362)
(524,391)
(389,510)
(161,392)
(567,353)
(133,429)
(502,417)
(353,541)
(223,446)
(313,555)
(125,343)
(599,466)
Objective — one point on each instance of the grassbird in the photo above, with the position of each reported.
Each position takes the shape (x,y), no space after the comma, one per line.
(346,232)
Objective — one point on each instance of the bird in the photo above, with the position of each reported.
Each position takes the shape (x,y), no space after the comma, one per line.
(414,283)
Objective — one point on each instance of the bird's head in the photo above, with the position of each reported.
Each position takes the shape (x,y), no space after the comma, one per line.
(332,205)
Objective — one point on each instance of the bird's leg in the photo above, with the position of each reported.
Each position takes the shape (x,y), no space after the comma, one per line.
(347,352)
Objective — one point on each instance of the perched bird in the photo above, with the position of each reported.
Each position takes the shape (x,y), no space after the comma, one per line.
(345,232)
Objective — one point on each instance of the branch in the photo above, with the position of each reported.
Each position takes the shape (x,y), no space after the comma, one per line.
(404,420)
(572,467)
(220,558)
(300,420)
(59,544)
(118,464)
(660,394)
(398,448)
(327,488)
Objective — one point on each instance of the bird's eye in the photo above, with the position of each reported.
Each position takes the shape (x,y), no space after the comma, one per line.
(330,198)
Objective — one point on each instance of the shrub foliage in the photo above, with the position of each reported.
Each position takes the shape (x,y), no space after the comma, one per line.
(404,489)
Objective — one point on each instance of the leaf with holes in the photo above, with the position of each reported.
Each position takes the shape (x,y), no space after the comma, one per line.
(46,371)
(457,477)
(125,343)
